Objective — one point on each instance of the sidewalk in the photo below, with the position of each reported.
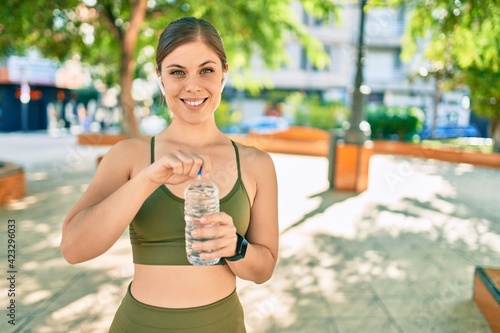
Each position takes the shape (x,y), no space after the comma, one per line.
(399,257)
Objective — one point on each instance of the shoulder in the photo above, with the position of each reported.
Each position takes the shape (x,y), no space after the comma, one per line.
(255,159)
(125,153)
(129,146)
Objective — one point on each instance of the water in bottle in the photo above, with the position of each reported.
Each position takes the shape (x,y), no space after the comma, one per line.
(201,197)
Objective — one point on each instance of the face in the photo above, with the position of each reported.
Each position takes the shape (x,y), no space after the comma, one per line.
(192,76)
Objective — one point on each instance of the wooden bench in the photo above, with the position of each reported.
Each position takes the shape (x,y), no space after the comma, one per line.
(12,182)
(99,139)
(487,295)
(303,140)
(299,140)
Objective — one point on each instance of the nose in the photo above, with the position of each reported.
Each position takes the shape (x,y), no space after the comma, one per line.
(192,83)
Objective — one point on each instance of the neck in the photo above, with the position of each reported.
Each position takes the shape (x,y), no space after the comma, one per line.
(193,135)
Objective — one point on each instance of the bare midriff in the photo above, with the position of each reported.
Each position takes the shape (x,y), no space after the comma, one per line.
(182,286)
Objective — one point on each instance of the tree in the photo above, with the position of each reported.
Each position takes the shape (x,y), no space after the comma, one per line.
(461,38)
(115,36)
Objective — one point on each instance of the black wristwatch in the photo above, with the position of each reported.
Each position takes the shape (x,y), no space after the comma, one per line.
(241,249)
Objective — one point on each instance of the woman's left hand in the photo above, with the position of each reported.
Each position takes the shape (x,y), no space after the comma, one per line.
(220,231)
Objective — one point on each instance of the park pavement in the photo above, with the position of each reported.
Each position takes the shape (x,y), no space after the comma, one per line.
(398,257)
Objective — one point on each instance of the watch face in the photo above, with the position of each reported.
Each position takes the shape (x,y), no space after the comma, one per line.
(242,248)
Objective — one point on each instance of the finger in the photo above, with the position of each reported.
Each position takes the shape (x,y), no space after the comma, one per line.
(220,218)
(193,163)
(223,247)
(207,246)
(197,166)
(216,248)
(207,165)
(173,163)
(186,159)
(212,255)
(215,231)
(211,231)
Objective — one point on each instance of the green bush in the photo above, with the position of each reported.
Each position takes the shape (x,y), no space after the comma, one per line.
(225,117)
(310,110)
(395,122)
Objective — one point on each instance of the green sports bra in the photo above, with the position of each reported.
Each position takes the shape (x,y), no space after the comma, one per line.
(157,230)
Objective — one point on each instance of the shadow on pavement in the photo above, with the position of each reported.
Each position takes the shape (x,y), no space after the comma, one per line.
(328,198)
(398,258)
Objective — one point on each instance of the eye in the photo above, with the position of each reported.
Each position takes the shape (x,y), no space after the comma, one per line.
(207,70)
(176,72)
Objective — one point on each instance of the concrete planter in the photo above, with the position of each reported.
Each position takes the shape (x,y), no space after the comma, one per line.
(448,155)
(351,165)
(315,142)
(295,140)
(12,182)
(487,294)
(99,139)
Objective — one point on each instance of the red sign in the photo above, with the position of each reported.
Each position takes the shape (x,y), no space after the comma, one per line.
(35,95)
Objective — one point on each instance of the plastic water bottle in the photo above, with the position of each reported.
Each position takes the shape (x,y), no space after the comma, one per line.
(201,196)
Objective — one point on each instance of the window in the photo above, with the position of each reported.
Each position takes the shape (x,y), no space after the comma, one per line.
(305,63)
(398,65)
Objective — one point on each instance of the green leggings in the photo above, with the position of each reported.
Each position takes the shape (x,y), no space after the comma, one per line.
(222,316)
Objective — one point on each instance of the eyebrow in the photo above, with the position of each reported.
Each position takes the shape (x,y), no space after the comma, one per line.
(201,65)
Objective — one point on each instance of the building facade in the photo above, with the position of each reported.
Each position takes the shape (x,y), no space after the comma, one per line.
(36,94)
(387,80)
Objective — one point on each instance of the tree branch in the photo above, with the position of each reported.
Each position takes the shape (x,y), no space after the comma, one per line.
(137,15)
(109,20)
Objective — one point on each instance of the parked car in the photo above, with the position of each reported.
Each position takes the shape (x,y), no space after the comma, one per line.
(446,132)
(152,125)
(264,124)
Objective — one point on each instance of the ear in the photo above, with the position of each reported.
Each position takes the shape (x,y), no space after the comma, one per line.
(224,78)
(160,84)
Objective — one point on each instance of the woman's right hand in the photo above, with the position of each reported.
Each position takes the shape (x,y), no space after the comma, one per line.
(178,167)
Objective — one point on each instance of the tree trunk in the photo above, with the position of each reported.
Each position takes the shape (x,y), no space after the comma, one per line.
(127,67)
(495,133)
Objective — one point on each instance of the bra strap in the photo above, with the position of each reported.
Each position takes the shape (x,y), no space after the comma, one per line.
(237,158)
(152,149)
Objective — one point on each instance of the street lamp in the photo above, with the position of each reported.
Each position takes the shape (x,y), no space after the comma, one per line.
(349,157)
(359,130)
(25,99)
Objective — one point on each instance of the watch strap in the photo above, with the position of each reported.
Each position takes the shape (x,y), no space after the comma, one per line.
(241,248)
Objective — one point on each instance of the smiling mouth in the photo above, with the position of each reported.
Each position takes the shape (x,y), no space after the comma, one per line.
(194,103)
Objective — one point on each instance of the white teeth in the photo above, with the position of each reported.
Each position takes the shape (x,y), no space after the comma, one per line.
(194,103)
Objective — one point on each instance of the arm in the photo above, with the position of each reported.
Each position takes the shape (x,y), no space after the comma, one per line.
(115,195)
(106,208)
(262,235)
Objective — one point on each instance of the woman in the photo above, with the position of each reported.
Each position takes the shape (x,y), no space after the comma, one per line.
(140,182)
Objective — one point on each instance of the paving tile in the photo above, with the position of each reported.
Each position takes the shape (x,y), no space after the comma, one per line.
(425,271)
(407,306)
(449,287)
(488,258)
(311,324)
(457,260)
(391,288)
(435,324)
(475,324)
(366,325)
(350,291)
(356,307)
